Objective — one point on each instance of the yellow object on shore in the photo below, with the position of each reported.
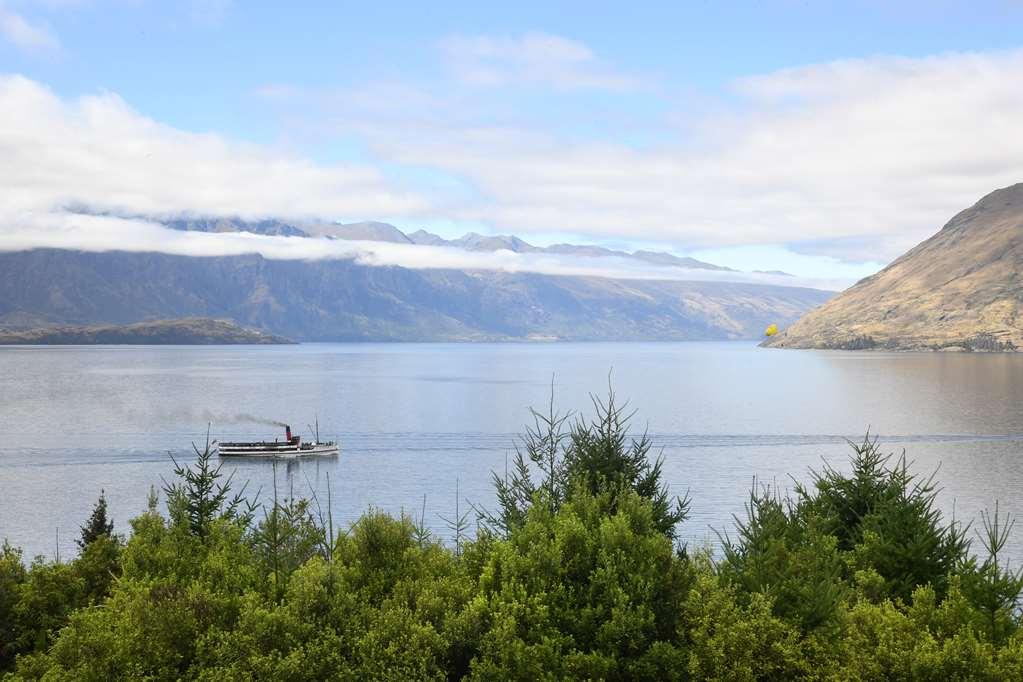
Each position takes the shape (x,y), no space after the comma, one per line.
(771,330)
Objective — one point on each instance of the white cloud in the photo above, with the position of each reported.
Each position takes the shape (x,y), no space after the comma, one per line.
(98,152)
(883,149)
(26,35)
(65,230)
(533,59)
(855,159)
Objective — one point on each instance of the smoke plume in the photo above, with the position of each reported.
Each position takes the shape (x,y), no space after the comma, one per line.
(240,418)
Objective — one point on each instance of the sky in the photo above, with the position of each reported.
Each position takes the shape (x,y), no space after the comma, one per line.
(822,139)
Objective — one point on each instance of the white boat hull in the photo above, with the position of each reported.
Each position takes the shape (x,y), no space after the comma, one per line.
(276,450)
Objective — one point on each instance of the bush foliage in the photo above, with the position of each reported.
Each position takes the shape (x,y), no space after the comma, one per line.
(577,574)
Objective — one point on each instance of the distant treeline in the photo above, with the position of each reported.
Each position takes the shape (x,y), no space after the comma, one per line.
(575,573)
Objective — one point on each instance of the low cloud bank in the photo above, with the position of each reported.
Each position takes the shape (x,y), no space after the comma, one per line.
(83,232)
(96,152)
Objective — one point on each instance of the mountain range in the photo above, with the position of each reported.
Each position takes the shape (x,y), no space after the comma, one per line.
(961,289)
(385,232)
(341,299)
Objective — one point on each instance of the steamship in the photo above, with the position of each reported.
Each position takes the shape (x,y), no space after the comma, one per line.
(291,446)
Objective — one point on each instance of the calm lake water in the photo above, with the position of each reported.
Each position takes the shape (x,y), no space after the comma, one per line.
(415,418)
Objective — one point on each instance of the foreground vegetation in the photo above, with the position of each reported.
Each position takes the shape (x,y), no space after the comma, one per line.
(576,573)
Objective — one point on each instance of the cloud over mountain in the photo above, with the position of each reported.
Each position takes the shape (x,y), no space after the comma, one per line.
(102,233)
(851,159)
(832,155)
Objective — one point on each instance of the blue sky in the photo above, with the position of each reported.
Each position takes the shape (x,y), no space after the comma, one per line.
(531,118)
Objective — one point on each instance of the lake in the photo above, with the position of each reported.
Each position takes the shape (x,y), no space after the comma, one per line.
(416,420)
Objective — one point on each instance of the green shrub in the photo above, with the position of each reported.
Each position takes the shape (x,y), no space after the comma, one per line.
(857,577)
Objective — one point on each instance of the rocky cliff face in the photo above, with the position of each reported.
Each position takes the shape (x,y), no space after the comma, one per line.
(962,289)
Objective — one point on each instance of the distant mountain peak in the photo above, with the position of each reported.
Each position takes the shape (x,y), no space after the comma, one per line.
(269,226)
(662,258)
(377,231)
(425,238)
(369,231)
(474,241)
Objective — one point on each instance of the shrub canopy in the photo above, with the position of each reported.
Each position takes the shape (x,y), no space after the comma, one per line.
(575,576)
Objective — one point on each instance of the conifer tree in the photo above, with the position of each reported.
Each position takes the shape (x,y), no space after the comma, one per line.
(199,496)
(594,456)
(98,524)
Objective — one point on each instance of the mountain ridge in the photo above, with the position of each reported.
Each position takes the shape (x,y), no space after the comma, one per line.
(470,241)
(960,289)
(342,300)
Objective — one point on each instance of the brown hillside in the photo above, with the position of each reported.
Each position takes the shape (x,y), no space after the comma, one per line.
(962,289)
